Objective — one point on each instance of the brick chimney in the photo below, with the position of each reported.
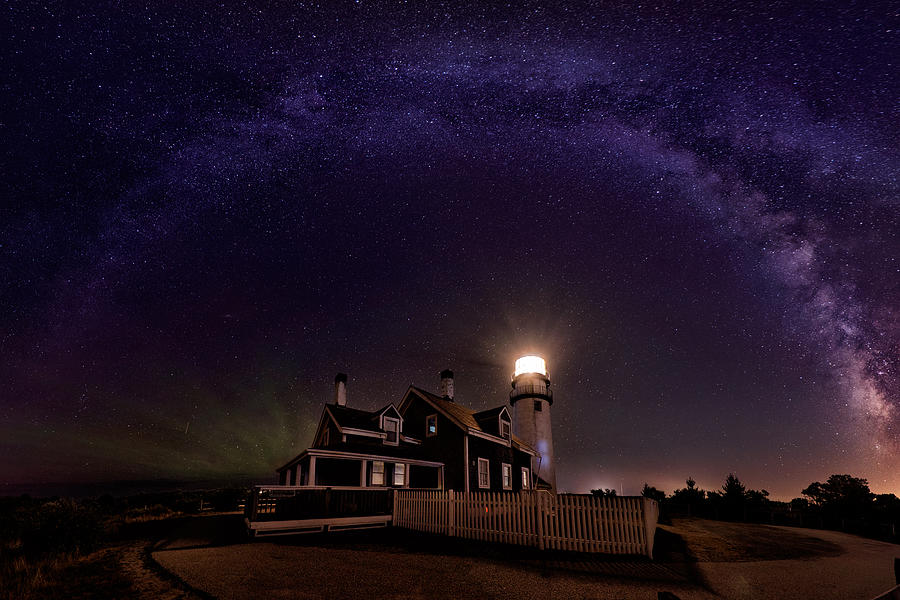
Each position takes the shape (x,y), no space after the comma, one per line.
(340,389)
(447,384)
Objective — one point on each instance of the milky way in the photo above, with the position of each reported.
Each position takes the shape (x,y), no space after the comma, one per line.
(692,213)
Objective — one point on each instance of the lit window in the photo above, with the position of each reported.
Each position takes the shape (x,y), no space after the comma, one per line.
(504,429)
(507,476)
(377,472)
(430,425)
(484,474)
(392,427)
(526,478)
(399,474)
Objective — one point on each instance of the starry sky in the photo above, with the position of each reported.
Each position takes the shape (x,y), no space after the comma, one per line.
(210,208)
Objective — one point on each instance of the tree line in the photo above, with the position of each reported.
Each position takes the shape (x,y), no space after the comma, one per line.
(843,502)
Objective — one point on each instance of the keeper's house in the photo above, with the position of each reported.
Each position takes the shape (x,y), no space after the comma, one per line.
(428,441)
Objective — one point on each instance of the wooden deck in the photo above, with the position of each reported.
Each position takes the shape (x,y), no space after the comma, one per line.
(284,510)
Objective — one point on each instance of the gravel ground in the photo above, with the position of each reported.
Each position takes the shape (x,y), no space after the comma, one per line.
(393,564)
(269,570)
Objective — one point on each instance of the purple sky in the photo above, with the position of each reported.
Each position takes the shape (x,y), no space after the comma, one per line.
(691,213)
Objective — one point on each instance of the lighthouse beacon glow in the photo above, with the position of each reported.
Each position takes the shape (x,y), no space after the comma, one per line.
(530,364)
(531,398)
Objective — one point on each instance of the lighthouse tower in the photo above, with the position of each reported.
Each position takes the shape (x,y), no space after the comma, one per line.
(531,398)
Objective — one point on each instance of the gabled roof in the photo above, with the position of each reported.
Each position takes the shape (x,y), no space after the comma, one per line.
(390,407)
(490,414)
(465,418)
(354,418)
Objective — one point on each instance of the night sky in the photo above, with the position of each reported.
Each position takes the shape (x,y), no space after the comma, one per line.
(691,212)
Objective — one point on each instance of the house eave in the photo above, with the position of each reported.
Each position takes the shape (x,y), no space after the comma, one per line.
(318,452)
(489,436)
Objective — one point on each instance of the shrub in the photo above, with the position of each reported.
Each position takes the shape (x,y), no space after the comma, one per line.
(60,526)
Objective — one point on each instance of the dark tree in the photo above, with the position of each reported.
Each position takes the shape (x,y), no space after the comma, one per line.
(816,494)
(690,498)
(690,494)
(604,492)
(842,495)
(734,490)
(843,501)
(800,504)
(651,492)
(733,504)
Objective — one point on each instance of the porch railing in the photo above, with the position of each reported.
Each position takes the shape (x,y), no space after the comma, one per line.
(281,503)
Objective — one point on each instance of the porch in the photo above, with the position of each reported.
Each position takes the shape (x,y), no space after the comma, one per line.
(341,469)
(286,510)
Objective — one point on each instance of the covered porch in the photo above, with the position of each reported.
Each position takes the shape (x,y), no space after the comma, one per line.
(283,510)
(329,490)
(318,468)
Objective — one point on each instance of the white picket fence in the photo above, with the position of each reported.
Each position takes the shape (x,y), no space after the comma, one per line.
(613,525)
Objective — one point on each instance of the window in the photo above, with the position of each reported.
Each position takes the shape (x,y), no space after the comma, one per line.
(392,427)
(484,473)
(378,472)
(399,474)
(507,476)
(526,478)
(430,425)
(504,429)
(326,436)
(538,407)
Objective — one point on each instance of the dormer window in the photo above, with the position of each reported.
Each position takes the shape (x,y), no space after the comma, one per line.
(430,425)
(504,429)
(392,428)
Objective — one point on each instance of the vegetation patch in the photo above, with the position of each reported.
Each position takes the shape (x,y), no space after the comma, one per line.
(717,541)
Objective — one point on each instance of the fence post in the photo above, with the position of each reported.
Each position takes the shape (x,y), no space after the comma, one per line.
(539,515)
(394,515)
(451,513)
(650,519)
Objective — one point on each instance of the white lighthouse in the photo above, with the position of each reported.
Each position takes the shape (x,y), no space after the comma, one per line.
(531,398)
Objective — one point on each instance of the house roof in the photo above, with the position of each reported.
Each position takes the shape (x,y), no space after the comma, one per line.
(467,418)
(492,413)
(358,419)
(354,418)
(490,416)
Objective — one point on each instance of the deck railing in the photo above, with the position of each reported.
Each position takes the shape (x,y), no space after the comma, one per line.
(281,503)
(613,525)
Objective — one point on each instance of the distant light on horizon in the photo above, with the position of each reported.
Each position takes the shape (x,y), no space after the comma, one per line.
(530,364)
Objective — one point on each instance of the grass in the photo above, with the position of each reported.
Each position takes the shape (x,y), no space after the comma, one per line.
(719,541)
(94,575)
(26,574)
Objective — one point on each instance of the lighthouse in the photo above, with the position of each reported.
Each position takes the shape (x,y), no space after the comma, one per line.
(531,398)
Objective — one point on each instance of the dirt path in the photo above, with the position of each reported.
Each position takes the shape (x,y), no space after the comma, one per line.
(148,583)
